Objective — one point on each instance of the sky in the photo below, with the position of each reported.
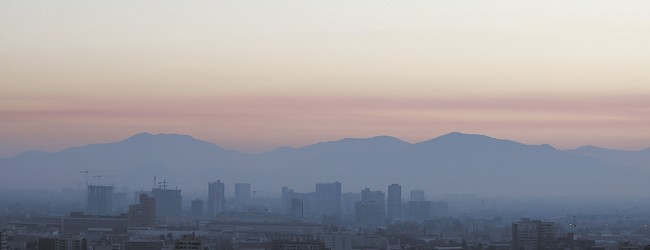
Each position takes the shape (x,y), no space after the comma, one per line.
(256,75)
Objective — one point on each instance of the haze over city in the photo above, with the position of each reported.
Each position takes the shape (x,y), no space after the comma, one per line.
(325,125)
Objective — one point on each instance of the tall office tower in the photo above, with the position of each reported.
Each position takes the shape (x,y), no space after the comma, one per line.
(216,198)
(327,199)
(197,208)
(533,234)
(376,196)
(142,214)
(242,193)
(308,203)
(100,199)
(169,202)
(394,202)
(370,211)
(348,201)
(297,208)
(287,195)
(417,195)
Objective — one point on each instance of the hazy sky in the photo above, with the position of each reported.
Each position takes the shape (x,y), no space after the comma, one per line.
(254,75)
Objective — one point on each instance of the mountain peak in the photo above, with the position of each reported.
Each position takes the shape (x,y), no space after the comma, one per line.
(458,137)
(141,135)
(146,136)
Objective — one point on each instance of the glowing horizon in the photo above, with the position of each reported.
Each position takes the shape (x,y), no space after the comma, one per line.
(253,76)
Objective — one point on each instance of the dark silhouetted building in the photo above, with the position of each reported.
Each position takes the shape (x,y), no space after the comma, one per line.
(216,198)
(100,199)
(394,202)
(168,202)
(45,243)
(142,214)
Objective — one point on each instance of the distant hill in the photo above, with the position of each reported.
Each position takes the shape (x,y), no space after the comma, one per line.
(452,163)
(618,158)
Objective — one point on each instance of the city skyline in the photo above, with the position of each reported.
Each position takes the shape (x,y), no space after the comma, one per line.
(325,125)
(253,77)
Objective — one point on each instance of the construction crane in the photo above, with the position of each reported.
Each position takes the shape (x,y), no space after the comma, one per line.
(86,173)
(165,183)
(255,192)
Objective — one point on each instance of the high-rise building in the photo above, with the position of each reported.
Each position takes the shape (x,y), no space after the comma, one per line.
(197,208)
(169,202)
(376,196)
(142,214)
(532,234)
(216,198)
(371,210)
(287,196)
(242,194)
(100,199)
(3,240)
(296,209)
(417,195)
(394,202)
(327,199)
(348,203)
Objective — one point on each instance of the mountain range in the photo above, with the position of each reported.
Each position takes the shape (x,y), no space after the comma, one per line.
(454,163)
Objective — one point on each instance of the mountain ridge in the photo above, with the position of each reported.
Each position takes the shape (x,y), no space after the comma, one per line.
(468,163)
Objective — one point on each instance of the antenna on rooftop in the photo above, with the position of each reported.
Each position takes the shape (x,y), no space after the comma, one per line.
(163,184)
